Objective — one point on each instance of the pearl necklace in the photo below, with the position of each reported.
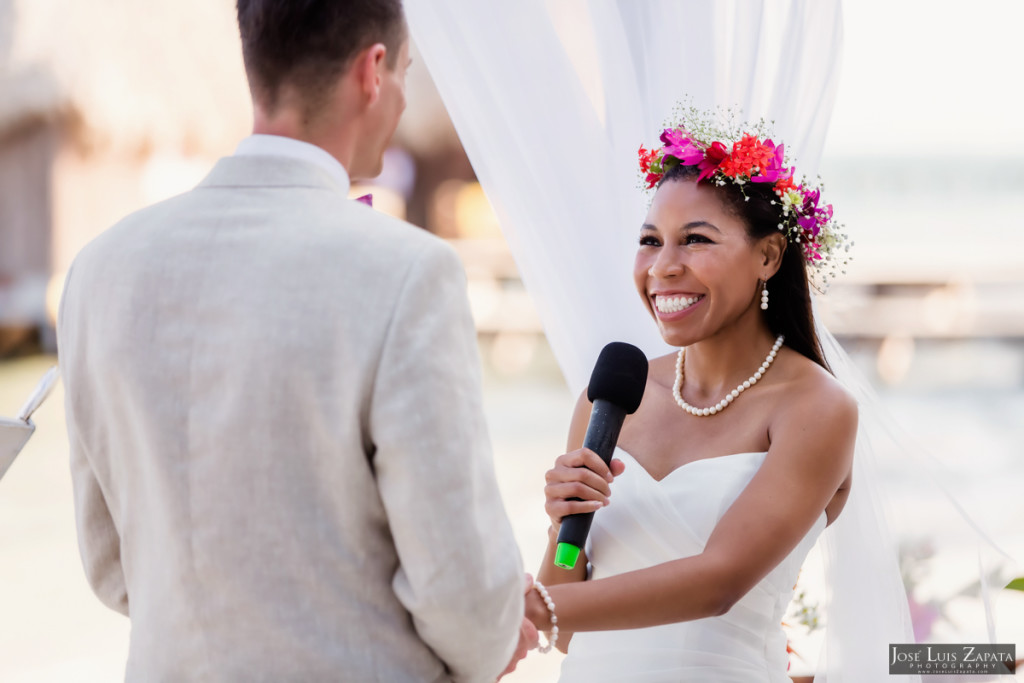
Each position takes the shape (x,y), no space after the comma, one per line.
(677,388)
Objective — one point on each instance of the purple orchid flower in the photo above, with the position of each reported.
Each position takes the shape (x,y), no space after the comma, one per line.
(809,224)
(679,145)
(811,202)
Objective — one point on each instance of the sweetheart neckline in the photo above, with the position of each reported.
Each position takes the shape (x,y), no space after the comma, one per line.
(685,464)
(824,513)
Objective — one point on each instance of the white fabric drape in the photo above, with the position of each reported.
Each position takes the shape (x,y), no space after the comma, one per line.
(551,101)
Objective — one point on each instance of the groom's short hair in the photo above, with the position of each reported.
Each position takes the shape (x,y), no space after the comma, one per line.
(307,44)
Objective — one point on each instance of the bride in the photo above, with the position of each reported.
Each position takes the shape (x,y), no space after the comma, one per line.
(740,453)
(550,129)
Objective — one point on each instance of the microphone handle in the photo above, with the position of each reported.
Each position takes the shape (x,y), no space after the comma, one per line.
(606,420)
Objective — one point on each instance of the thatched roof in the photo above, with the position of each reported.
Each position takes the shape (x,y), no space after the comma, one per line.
(27,96)
(136,77)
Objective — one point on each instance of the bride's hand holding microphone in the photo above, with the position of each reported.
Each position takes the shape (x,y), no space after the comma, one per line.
(579,482)
(581,477)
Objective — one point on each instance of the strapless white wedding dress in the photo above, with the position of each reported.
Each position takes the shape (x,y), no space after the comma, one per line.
(650,522)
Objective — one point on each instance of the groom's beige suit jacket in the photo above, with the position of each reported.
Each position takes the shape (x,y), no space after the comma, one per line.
(280,464)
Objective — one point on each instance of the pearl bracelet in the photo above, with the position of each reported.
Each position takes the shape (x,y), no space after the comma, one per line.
(546,597)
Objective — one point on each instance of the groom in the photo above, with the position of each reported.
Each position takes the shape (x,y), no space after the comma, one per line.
(279,457)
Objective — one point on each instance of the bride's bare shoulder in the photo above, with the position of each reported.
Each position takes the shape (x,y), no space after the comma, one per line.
(809,386)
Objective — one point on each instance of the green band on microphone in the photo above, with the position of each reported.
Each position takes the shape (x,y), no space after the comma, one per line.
(566,555)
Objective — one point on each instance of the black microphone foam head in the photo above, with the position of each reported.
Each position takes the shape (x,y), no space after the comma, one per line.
(619,376)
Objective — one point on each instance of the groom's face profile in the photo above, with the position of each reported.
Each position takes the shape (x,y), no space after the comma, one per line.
(384,114)
(331,73)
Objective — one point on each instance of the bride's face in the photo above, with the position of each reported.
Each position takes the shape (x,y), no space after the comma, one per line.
(696,269)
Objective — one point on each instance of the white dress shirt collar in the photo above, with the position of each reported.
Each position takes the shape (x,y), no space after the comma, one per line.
(279,146)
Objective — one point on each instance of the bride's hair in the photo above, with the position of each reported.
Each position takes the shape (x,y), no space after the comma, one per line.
(790,311)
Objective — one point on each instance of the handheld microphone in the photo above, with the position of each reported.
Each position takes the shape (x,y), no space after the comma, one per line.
(616,388)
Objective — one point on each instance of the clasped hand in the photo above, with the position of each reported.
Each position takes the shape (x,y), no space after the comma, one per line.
(578,482)
(529,637)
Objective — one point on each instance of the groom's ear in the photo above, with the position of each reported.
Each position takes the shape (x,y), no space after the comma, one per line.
(368,69)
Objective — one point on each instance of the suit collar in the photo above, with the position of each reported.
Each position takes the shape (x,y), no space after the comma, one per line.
(280,146)
(271,171)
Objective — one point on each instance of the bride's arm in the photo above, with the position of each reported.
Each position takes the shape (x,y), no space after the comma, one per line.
(562,483)
(811,453)
(577,474)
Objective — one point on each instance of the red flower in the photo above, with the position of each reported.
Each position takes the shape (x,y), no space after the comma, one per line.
(714,157)
(749,157)
(784,185)
(646,157)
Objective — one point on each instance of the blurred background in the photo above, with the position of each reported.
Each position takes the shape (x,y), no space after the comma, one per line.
(111,105)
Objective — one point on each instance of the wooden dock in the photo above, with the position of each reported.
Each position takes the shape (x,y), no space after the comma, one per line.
(874,301)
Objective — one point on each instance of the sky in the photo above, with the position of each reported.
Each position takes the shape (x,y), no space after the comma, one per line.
(930,78)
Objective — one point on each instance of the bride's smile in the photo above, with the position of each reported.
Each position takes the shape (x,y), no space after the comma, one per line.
(668,304)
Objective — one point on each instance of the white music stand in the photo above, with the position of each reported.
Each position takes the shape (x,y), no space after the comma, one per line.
(15,432)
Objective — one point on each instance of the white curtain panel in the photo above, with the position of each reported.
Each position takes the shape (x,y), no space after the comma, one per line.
(552,100)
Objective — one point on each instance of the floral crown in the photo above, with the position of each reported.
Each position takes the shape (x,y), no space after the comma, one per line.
(726,154)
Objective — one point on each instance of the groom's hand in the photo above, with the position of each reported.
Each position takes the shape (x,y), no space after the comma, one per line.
(529,638)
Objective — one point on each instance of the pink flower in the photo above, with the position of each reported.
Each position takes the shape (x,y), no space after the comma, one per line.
(678,144)
(774,171)
(922,617)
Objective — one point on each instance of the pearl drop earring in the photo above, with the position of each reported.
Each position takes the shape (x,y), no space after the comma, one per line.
(764,296)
